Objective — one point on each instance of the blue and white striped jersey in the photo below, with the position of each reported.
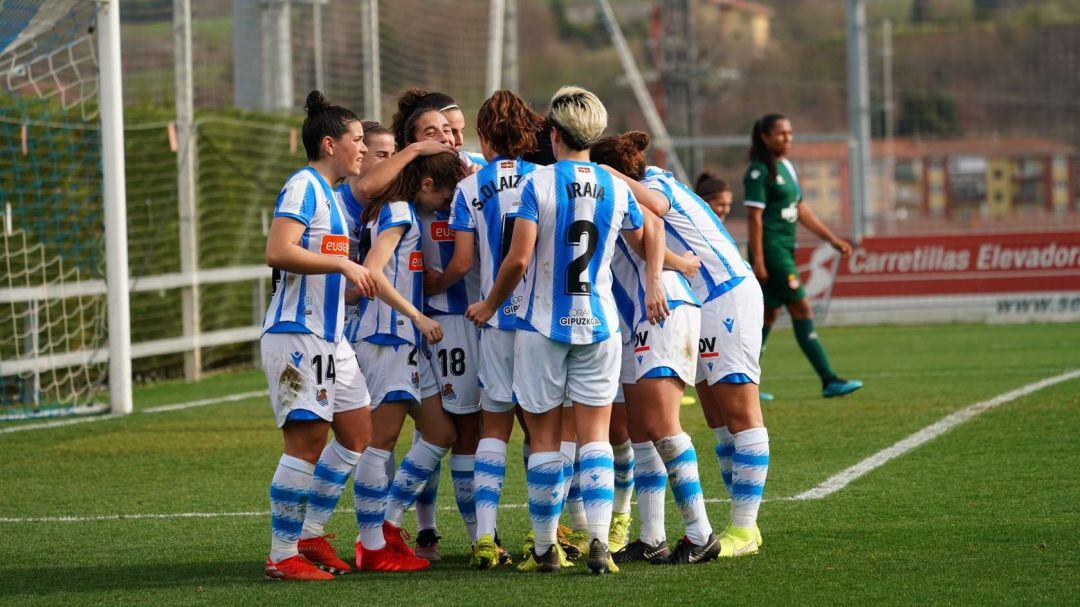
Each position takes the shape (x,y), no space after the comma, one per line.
(691,226)
(380,323)
(579,209)
(482,204)
(351,209)
(628,270)
(437,243)
(314,303)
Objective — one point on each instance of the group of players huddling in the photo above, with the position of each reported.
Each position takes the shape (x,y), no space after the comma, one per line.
(413,278)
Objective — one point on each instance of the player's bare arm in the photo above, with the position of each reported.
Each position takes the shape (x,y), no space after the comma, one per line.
(283,251)
(456,269)
(510,272)
(384,172)
(810,220)
(648,242)
(757,240)
(646,197)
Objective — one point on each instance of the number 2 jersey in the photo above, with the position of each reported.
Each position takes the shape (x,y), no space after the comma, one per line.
(310,303)
(437,244)
(379,322)
(482,205)
(579,210)
(690,225)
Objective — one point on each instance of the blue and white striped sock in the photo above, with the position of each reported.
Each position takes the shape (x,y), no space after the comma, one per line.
(624,476)
(569,458)
(749,467)
(545,483)
(680,458)
(650,480)
(725,448)
(288,501)
(327,483)
(425,502)
(369,495)
(575,507)
(461,471)
(490,472)
(597,474)
(418,465)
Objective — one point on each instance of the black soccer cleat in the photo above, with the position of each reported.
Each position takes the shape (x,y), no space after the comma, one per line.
(687,552)
(599,561)
(638,550)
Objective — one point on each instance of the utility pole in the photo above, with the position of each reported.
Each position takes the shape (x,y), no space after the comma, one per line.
(510,47)
(191,318)
(317,42)
(678,71)
(889,168)
(370,60)
(496,23)
(858,94)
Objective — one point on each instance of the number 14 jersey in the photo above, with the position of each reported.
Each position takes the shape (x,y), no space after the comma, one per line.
(579,209)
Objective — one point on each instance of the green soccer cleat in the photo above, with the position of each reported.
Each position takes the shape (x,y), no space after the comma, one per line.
(544,563)
(736,542)
(620,529)
(579,540)
(840,387)
(485,554)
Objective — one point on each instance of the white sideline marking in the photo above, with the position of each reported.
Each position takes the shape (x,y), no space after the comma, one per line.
(826,488)
(158,409)
(843,478)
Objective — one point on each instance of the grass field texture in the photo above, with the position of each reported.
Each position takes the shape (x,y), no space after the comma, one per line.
(986,513)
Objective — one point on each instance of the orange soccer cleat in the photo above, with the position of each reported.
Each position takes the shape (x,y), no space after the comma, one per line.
(395,538)
(387,559)
(295,568)
(319,551)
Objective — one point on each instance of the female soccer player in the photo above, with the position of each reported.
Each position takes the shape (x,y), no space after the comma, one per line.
(450,108)
(666,359)
(728,347)
(564,232)
(389,348)
(774,206)
(508,129)
(314,380)
(715,192)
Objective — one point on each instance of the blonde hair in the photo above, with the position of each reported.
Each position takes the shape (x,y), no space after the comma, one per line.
(578,115)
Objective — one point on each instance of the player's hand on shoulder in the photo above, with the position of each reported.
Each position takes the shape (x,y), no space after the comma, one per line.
(430,329)
(360,277)
(690,265)
(479,313)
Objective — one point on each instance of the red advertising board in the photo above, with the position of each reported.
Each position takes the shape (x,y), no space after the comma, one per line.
(967,264)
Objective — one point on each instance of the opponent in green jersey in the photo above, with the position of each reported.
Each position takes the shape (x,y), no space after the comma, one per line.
(775,207)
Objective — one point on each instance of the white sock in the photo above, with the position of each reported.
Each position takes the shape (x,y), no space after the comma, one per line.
(624,476)
(725,448)
(597,473)
(749,467)
(369,495)
(288,501)
(650,480)
(490,472)
(569,460)
(413,473)
(461,471)
(681,460)
(545,484)
(327,483)
(575,507)
(425,501)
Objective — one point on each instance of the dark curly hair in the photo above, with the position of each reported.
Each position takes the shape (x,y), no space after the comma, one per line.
(624,153)
(509,125)
(324,119)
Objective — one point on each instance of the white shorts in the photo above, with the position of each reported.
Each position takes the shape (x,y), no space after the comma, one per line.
(627,370)
(588,373)
(308,373)
(496,370)
(454,362)
(669,347)
(730,341)
(395,373)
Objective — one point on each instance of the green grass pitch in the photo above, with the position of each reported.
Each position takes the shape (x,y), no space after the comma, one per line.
(986,513)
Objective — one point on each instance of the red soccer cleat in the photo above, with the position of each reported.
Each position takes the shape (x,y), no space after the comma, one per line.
(395,538)
(320,552)
(387,559)
(295,568)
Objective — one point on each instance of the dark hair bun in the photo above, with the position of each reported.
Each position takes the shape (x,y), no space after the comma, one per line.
(639,139)
(703,178)
(315,103)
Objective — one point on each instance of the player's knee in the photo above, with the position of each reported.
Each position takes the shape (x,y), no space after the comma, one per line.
(440,436)
(771,314)
(800,309)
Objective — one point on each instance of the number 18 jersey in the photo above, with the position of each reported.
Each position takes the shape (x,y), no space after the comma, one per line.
(579,209)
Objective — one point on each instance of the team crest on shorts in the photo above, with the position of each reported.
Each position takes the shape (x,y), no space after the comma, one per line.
(321,398)
(296,358)
(793,281)
(415,379)
(448,392)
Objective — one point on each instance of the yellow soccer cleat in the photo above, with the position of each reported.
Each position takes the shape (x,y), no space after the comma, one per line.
(737,541)
(485,553)
(544,563)
(620,530)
